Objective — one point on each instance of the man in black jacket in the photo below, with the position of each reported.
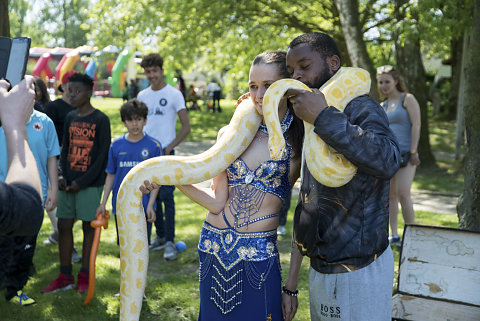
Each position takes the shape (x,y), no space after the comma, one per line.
(343,230)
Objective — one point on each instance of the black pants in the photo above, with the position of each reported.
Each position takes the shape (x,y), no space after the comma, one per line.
(165,211)
(16,262)
(216,101)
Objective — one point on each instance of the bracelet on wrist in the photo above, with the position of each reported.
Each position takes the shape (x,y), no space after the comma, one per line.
(288,292)
(414,152)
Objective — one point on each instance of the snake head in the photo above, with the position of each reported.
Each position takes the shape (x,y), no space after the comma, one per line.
(277,149)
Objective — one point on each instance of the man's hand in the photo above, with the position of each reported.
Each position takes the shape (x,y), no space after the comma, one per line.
(307,105)
(17,104)
(289,306)
(167,150)
(62,183)
(73,188)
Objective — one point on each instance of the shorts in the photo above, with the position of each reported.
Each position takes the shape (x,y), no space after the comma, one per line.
(81,205)
(364,294)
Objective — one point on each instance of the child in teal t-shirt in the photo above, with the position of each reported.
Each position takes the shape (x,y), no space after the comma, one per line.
(126,152)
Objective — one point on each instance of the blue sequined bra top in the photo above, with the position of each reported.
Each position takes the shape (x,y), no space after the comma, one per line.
(270,176)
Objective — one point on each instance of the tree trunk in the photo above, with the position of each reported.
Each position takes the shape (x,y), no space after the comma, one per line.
(460,126)
(456,63)
(469,203)
(4,20)
(410,65)
(352,31)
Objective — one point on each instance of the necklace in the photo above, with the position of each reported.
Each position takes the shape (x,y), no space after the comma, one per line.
(390,106)
(285,124)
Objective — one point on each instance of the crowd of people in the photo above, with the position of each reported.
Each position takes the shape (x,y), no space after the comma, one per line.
(61,157)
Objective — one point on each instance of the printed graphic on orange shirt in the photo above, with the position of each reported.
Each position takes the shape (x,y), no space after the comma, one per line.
(82,137)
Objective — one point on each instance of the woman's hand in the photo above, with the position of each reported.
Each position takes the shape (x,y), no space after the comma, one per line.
(151,215)
(148,186)
(414,159)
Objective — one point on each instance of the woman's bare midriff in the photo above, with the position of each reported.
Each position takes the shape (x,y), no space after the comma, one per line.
(271,204)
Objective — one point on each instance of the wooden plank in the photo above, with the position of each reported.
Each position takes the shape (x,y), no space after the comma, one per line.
(441,263)
(405,307)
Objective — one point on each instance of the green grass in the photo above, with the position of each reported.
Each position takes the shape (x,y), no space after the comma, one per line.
(447,178)
(448,175)
(172,290)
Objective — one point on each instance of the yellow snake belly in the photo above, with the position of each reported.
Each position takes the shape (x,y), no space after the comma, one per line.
(327,166)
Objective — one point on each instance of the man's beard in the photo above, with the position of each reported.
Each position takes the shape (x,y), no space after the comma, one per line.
(320,80)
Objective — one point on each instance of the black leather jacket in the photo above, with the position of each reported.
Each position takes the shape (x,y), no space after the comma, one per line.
(346,228)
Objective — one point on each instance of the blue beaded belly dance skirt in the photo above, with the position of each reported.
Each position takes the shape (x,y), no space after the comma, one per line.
(240,275)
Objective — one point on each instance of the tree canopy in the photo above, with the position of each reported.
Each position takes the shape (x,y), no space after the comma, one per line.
(220,38)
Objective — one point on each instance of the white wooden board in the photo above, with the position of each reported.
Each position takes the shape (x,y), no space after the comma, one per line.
(405,307)
(441,263)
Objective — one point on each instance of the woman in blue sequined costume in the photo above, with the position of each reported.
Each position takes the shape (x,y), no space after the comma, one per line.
(239,262)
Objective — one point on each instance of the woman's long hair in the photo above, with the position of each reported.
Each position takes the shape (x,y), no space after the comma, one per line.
(43,89)
(296,130)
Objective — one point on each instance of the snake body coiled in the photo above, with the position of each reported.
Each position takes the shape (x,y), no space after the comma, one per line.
(327,166)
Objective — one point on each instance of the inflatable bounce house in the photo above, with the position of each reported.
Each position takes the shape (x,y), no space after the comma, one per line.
(109,68)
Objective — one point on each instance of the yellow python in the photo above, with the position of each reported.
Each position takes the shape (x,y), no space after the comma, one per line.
(325,164)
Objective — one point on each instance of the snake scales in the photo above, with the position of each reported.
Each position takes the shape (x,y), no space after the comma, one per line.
(325,164)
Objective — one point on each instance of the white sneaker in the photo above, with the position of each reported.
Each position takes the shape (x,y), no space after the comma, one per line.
(158,244)
(170,251)
(76,258)
(281,230)
(52,239)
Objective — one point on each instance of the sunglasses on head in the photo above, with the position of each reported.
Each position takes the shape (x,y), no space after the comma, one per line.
(384,69)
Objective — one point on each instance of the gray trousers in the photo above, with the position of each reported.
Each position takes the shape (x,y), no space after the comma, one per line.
(361,295)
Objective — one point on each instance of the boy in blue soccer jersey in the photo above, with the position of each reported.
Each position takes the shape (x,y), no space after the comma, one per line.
(126,152)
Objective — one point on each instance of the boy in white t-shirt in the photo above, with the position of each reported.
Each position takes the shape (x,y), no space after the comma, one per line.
(164,103)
